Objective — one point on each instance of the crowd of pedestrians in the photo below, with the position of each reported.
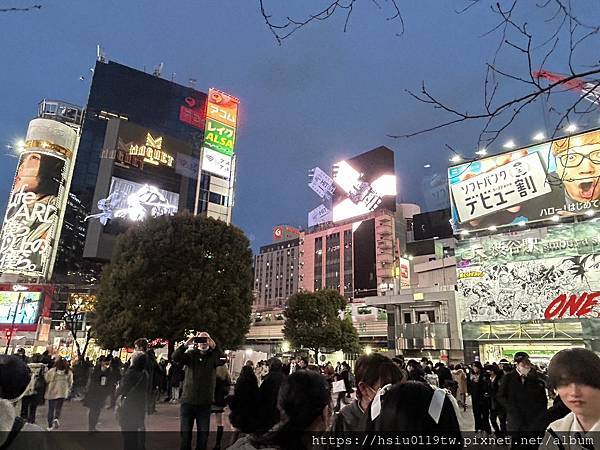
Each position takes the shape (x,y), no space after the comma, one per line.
(279,405)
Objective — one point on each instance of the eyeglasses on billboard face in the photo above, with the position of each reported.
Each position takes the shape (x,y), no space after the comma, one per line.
(571,160)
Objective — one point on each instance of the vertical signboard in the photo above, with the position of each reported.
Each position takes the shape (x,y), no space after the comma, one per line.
(219,133)
(37,199)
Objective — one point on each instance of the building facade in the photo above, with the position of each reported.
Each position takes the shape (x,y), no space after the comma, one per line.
(148,146)
(276,273)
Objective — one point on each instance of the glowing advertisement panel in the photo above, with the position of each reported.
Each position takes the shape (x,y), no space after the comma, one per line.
(221,122)
(364,184)
(216,163)
(37,199)
(560,177)
(222,107)
(534,274)
(135,202)
(321,214)
(23,307)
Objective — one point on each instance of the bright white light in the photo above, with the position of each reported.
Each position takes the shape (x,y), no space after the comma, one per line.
(427,166)
(368,350)
(347,209)
(510,144)
(345,176)
(385,185)
(285,346)
(493,228)
(464,232)
(249,351)
(555,218)
(522,223)
(456,159)
(590,213)
(355,226)
(539,136)
(571,128)
(481,152)
(410,257)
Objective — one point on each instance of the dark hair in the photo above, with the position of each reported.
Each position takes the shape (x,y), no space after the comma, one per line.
(61,364)
(275,365)
(405,408)
(49,174)
(243,402)
(141,343)
(574,365)
(14,376)
(376,369)
(302,398)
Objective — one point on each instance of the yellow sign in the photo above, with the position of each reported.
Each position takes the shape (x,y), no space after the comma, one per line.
(470,274)
(152,152)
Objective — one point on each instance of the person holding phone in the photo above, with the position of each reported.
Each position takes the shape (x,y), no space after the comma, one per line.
(201,357)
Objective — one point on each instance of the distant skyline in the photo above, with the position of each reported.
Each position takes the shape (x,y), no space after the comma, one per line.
(322,96)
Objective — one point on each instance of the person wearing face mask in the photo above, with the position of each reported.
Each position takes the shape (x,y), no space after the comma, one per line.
(522,394)
(575,374)
(200,356)
(99,388)
(372,372)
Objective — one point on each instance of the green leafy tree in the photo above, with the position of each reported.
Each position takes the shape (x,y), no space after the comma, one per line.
(313,321)
(172,274)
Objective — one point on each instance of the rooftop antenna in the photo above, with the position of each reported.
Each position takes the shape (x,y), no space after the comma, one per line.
(158,70)
(100,55)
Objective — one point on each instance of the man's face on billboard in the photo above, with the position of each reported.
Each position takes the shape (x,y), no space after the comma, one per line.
(27,174)
(579,168)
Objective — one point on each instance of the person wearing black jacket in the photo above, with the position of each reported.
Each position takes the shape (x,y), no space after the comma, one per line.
(480,391)
(497,412)
(523,395)
(269,393)
(200,356)
(133,390)
(99,388)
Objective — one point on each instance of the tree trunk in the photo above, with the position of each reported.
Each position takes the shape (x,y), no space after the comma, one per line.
(170,348)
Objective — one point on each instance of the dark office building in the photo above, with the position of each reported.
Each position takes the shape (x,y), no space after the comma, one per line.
(141,135)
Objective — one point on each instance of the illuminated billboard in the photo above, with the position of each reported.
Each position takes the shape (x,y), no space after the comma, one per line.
(560,177)
(22,307)
(221,122)
(135,202)
(544,273)
(364,183)
(37,199)
(216,163)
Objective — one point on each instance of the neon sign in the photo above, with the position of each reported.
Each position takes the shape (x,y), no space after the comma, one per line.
(152,152)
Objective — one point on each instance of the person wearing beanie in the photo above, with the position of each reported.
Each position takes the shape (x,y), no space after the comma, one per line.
(15,432)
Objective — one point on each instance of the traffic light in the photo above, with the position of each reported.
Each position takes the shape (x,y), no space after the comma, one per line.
(8,334)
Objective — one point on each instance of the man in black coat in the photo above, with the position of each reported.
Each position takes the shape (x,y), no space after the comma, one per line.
(522,393)
(269,393)
(99,388)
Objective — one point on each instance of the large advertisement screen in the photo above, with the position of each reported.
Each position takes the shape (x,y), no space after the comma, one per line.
(22,307)
(364,184)
(37,199)
(135,202)
(560,177)
(544,273)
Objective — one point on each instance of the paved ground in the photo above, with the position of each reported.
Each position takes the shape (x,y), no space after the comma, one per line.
(74,418)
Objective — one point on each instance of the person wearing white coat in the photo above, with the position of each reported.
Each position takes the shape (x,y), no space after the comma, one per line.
(59,381)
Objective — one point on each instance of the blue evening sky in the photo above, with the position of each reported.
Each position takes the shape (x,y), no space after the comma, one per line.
(320,97)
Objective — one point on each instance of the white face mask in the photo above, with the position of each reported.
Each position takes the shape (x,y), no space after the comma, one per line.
(523,370)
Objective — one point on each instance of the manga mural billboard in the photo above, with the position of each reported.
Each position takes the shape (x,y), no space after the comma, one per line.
(559,177)
(544,273)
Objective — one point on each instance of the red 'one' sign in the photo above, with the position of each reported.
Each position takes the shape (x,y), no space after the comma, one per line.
(571,307)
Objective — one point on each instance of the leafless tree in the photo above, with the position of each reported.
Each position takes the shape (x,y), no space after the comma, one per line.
(543,35)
